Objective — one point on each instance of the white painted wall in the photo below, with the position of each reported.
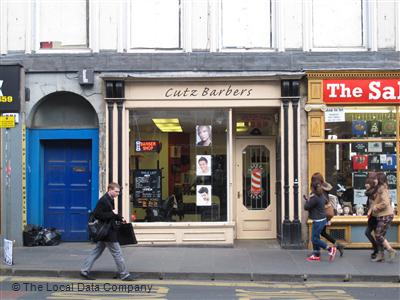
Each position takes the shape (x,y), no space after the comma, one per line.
(193,25)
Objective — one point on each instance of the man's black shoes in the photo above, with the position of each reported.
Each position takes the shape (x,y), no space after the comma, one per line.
(131,277)
(87,276)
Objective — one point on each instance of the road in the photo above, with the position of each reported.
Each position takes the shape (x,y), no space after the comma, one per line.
(18,287)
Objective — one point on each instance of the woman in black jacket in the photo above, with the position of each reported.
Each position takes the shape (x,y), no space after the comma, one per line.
(315,206)
(105,212)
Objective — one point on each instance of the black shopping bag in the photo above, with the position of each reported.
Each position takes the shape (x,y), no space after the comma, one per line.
(126,235)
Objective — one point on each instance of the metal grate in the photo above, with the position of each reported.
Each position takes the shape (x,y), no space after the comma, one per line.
(338,233)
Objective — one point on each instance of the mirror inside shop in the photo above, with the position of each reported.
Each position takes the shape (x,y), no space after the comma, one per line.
(177,165)
(369,146)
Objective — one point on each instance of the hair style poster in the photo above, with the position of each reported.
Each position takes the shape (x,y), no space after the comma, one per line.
(203,135)
(203,195)
(203,167)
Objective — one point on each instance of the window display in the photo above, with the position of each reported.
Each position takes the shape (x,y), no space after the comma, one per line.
(177,166)
(367,144)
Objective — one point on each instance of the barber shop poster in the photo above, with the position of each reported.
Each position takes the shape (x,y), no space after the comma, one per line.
(203,195)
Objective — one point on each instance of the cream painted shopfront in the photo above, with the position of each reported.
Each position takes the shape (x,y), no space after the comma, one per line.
(200,159)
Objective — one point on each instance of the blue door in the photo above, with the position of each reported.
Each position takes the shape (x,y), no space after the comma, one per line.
(67,187)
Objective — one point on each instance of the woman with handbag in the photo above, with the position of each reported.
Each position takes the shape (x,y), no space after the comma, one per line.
(327,187)
(105,212)
(315,206)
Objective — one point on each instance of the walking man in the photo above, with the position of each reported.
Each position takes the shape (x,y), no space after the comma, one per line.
(105,211)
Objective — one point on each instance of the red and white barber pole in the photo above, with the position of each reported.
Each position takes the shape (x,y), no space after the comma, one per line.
(256,177)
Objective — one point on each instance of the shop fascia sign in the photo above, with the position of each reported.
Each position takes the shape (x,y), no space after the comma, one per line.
(361,91)
(10,101)
(207,91)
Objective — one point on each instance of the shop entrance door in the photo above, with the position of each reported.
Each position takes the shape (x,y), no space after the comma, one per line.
(255,188)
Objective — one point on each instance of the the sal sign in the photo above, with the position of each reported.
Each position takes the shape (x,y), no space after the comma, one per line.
(362,91)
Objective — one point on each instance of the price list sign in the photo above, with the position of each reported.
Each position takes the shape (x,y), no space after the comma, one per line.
(148,184)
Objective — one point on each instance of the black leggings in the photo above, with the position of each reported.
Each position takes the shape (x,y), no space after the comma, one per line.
(371,226)
(327,236)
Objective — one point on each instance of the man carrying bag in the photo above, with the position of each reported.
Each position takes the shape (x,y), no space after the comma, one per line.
(105,212)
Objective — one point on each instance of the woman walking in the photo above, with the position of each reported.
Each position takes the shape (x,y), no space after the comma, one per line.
(315,206)
(383,211)
(371,188)
(327,187)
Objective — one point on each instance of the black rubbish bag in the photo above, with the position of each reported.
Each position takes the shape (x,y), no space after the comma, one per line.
(30,235)
(37,236)
(126,234)
(51,237)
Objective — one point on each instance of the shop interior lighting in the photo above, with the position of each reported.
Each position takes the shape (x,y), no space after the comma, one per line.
(241,127)
(168,125)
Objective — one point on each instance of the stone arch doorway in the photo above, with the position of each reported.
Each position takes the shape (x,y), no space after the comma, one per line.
(62,163)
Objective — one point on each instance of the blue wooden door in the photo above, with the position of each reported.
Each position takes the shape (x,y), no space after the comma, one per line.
(67,187)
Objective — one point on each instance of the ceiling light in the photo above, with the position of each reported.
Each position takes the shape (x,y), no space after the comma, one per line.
(168,125)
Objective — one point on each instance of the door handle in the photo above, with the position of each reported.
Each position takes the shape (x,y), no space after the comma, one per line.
(238,194)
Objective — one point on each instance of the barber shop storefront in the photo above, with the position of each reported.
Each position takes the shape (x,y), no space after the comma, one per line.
(198,158)
(353,129)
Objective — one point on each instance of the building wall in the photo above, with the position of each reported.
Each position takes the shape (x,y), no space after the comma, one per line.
(200,25)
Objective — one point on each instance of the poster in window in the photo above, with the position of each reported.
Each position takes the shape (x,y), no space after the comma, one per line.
(203,135)
(359,147)
(389,127)
(389,147)
(388,162)
(359,197)
(374,162)
(374,147)
(359,128)
(359,180)
(374,128)
(203,165)
(392,180)
(360,162)
(203,195)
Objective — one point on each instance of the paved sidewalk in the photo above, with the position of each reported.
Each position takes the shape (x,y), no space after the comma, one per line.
(244,261)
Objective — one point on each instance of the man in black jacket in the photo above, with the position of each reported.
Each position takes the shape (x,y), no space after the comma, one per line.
(105,212)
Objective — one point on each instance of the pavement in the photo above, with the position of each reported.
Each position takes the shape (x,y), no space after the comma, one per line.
(245,261)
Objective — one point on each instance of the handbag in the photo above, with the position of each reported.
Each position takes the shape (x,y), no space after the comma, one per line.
(329,211)
(98,230)
(126,234)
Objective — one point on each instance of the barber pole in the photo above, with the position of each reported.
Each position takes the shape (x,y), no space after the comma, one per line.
(256,181)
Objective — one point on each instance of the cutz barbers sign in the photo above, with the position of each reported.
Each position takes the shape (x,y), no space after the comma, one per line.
(10,81)
(361,91)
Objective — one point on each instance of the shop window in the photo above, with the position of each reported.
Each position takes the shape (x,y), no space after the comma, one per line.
(178,166)
(62,24)
(333,26)
(155,24)
(367,144)
(246,24)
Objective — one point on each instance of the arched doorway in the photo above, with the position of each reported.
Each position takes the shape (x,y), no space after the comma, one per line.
(62,164)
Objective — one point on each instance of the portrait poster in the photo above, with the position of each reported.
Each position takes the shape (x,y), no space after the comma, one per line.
(203,135)
(203,165)
(203,195)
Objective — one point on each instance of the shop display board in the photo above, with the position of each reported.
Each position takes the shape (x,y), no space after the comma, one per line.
(148,184)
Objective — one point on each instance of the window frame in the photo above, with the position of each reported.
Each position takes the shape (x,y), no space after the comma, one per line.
(89,14)
(275,41)
(184,12)
(368,23)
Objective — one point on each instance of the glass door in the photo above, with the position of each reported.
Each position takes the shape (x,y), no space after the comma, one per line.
(255,188)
